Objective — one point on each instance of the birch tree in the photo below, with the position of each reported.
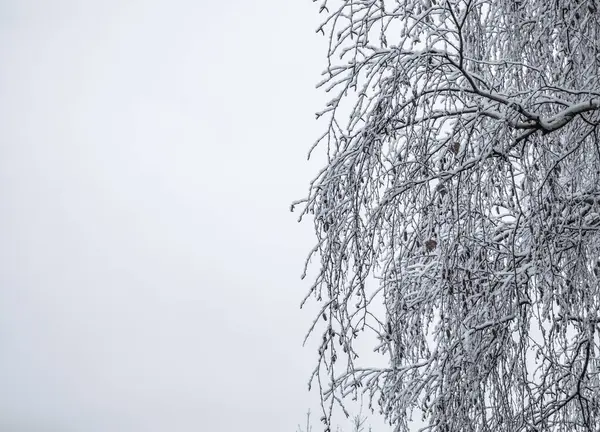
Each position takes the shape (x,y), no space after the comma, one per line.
(457,217)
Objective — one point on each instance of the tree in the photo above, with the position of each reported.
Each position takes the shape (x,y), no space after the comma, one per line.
(358,424)
(462,193)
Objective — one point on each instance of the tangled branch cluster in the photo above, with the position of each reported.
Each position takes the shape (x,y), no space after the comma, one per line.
(464,175)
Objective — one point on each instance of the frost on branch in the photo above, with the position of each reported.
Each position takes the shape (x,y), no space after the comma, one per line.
(463,175)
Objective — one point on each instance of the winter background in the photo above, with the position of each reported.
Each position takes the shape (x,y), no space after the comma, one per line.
(149,276)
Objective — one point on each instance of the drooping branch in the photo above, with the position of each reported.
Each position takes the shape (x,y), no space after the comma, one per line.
(458,217)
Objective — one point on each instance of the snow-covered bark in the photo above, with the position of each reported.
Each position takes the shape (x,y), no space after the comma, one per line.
(464,175)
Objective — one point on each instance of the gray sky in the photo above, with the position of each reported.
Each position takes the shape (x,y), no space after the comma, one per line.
(149,276)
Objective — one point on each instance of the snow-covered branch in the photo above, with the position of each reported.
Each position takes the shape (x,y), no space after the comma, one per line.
(458,217)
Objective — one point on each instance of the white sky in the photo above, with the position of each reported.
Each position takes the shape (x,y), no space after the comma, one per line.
(149,265)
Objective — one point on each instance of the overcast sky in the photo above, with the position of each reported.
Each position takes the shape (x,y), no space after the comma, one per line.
(149,264)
